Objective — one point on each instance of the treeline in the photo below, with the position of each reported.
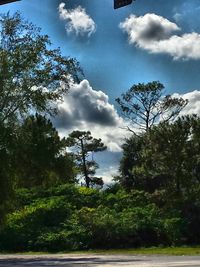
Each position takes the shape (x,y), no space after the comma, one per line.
(50,198)
(154,201)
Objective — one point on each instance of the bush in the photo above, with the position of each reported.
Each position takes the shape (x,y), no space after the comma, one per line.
(25,226)
(74,218)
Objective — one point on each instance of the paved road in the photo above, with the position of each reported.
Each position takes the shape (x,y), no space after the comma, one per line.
(71,260)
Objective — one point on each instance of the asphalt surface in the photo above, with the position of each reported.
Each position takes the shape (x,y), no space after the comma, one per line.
(75,260)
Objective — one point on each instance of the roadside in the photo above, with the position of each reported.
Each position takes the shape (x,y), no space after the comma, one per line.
(173,251)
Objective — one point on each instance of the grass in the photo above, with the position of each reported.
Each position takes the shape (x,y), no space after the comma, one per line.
(176,251)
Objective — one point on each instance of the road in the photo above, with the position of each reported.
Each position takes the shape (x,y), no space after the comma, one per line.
(97,260)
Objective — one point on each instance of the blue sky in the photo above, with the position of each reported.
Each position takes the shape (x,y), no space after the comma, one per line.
(109,62)
(160,41)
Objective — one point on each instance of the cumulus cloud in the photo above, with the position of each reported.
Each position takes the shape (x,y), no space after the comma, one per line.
(77,20)
(149,27)
(158,35)
(193,106)
(87,109)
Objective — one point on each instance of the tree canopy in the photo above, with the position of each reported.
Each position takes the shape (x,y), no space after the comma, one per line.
(32,75)
(84,145)
(166,157)
(41,156)
(145,105)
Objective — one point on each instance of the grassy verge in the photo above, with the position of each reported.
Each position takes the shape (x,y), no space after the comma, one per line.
(176,251)
(153,251)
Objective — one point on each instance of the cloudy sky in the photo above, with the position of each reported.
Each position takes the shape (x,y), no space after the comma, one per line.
(146,41)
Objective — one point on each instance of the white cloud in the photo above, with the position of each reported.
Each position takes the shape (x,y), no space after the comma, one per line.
(148,27)
(87,109)
(157,35)
(77,20)
(193,106)
(108,173)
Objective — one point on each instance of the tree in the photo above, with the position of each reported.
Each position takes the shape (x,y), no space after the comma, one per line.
(32,76)
(145,105)
(85,145)
(7,145)
(166,157)
(131,157)
(41,157)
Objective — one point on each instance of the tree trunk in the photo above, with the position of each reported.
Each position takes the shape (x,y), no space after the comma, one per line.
(87,179)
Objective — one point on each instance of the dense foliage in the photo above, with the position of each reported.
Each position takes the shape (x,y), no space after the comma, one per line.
(41,154)
(32,78)
(68,217)
(164,158)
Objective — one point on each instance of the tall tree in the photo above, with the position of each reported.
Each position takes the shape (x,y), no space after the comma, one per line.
(166,157)
(131,158)
(85,145)
(32,76)
(41,154)
(145,105)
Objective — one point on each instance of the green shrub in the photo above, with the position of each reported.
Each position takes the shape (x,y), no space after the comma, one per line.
(23,227)
(69,217)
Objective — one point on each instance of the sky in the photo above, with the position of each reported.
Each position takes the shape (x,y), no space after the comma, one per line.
(149,40)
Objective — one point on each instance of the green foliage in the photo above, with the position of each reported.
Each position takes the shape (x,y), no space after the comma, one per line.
(25,226)
(131,227)
(68,217)
(130,159)
(41,157)
(32,78)
(31,73)
(174,230)
(165,163)
(85,145)
(166,157)
(7,147)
